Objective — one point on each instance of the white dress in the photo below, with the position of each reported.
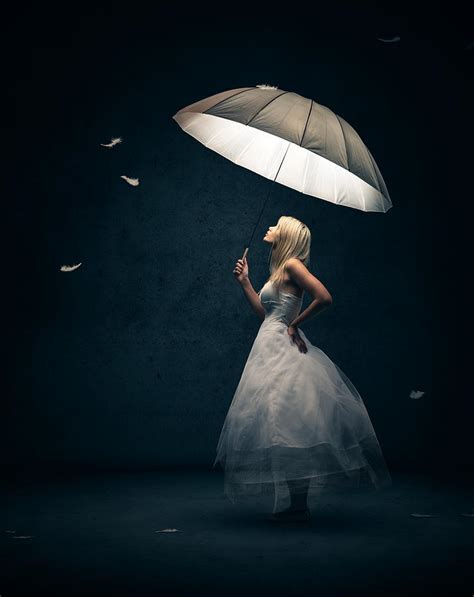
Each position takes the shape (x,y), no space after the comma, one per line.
(295,417)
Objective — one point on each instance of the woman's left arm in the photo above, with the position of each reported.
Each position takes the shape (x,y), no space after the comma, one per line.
(322,298)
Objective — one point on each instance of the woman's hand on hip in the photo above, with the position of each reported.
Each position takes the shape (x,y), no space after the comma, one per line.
(296,338)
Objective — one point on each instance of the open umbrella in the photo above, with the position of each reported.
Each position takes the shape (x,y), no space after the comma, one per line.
(291,140)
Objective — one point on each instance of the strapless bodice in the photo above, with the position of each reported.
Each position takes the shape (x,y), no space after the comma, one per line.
(278,304)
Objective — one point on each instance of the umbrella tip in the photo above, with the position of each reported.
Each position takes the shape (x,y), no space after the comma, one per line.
(265,86)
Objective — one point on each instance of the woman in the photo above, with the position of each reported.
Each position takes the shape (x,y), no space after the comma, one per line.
(296,424)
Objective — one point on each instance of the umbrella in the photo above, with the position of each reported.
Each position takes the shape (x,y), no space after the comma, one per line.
(291,140)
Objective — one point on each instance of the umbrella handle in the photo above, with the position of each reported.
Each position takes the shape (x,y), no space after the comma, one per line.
(245,253)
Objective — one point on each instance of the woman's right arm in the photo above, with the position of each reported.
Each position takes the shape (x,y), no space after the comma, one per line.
(253,298)
(241,273)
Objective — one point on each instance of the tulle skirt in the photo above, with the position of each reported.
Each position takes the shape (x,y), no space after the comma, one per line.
(296,420)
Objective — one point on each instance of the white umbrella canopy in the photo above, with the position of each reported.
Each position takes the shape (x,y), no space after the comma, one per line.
(291,140)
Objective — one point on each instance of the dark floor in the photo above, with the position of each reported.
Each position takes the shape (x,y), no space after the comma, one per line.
(96,533)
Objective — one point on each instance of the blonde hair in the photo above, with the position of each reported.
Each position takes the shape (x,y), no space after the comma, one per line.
(292,239)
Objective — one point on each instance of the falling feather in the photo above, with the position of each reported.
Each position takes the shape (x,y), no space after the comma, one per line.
(169,531)
(133,181)
(23,537)
(113,142)
(468,514)
(391,40)
(70,268)
(10,531)
(416,515)
(415,394)
(266,86)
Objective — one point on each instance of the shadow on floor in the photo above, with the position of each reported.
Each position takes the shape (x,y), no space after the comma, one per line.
(81,534)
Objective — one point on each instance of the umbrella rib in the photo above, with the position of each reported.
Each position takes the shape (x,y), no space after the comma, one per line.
(227,98)
(306,125)
(347,158)
(289,143)
(344,137)
(263,107)
(383,186)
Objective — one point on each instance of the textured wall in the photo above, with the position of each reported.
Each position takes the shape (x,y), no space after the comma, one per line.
(132,360)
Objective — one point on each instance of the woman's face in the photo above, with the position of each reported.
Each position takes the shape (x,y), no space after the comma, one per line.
(271,234)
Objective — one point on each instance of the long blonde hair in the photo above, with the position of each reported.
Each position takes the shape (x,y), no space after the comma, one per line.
(292,239)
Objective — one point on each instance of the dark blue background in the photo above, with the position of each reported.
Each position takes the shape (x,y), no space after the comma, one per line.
(131,361)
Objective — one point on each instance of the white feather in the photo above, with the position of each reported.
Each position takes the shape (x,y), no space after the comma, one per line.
(70,268)
(113,142)
(392,39)
(133,181)
(415,394)
(266,86)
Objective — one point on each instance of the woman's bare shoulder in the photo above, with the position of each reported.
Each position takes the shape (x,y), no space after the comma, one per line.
(306,280)
(295,262)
